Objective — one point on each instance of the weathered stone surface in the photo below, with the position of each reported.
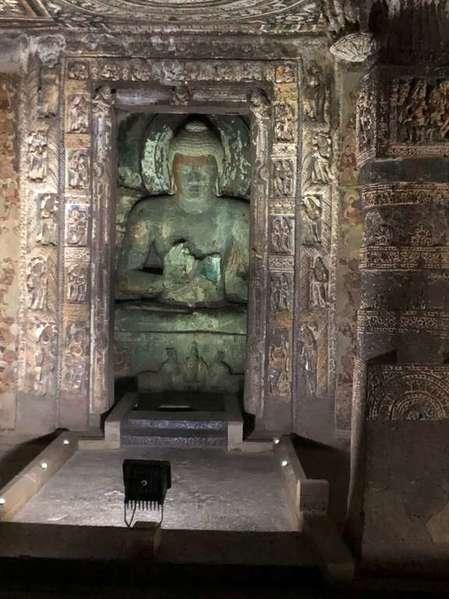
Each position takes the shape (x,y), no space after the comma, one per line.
(9,251)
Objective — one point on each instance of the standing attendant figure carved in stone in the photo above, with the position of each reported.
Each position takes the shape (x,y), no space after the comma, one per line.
(79,169)
(320,282)
(309,358)
(312,221)
(37,283)
(38,152)
(78,114)
(316,163)
(315,94)
(281,234)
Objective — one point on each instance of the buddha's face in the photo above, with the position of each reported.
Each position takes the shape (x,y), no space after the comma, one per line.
(195,177)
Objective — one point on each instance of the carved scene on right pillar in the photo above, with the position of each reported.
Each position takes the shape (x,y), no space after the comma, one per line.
(182,257)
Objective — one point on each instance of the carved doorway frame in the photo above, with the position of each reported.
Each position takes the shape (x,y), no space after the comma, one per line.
(268,92)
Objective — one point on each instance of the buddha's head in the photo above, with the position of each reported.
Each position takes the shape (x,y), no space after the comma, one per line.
(196,158)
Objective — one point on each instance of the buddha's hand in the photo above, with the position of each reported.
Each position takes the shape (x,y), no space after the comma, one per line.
(179,264)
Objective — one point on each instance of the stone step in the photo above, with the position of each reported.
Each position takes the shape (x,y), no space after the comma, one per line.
(185,439)
(138,422)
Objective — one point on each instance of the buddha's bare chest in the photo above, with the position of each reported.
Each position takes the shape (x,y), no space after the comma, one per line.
(201,234)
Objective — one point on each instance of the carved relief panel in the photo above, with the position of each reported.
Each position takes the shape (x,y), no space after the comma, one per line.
(89,185)
(314,283)
(39,114)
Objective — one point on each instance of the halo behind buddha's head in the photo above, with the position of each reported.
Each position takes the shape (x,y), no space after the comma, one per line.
(195,139)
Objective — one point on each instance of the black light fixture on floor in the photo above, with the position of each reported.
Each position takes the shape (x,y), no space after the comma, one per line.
(146,484)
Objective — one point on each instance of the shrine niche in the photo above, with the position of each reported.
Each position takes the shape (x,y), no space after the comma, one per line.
(183,258)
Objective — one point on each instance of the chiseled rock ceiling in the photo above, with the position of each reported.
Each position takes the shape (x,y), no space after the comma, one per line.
(282,15)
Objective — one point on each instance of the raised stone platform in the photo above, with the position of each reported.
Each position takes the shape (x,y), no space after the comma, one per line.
(176,420)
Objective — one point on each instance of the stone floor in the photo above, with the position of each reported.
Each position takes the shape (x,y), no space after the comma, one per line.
(210,490)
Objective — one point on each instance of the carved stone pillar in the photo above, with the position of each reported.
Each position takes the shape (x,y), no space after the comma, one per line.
(399,502)
(40,120)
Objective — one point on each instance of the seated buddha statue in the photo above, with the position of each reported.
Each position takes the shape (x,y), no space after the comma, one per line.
(190,248)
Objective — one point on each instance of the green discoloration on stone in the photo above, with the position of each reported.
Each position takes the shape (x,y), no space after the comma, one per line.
(183,268)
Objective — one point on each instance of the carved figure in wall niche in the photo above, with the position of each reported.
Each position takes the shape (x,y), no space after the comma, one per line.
(320,281)
(317,162)
(377,231)
(194,367)
(422,111)
(279,364)
(45,356)
(281,292)
(282,234)
(308,355)
(198,264)
(315,94)
(170,370)
(78,114)
(285,122)
(422,236)
(47,233)
(77,340)
(77,225)
(78,173)
(312,210)
(260,103)
(181,95)
(77,284)
(38,156)
(78,70)
(219,371)
(37,283)
(283,178)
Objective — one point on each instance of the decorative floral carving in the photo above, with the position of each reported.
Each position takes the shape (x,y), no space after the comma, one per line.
(407,392)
